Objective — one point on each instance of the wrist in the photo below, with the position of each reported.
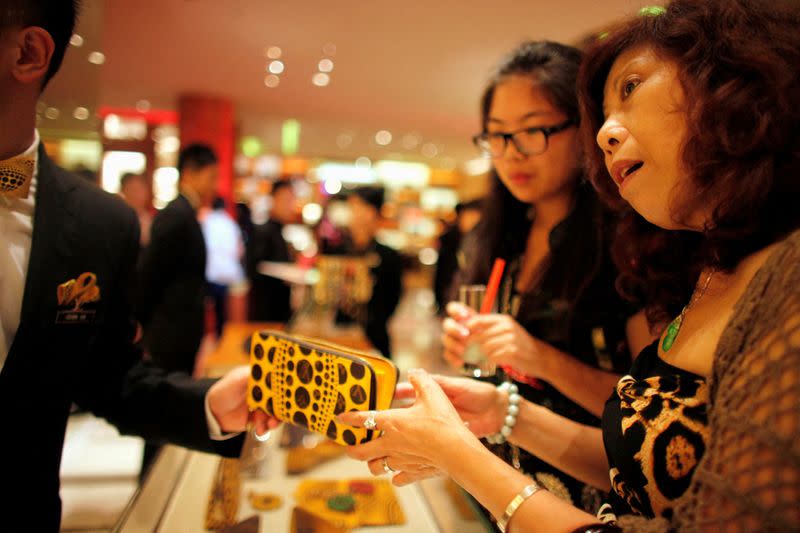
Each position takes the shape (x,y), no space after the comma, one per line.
(463,440)
(509,416)
(550,360)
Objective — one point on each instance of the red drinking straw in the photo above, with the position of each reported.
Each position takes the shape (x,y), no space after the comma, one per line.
(493,286)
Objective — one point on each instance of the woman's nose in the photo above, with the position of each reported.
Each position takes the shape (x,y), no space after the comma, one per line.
(611,135)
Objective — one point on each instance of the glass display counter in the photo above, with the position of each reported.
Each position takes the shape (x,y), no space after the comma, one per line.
(178,491)
(188,491)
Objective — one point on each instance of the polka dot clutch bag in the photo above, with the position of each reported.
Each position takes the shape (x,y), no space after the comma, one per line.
(308,383)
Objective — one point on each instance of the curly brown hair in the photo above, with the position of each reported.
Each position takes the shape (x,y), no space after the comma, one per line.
(739,65)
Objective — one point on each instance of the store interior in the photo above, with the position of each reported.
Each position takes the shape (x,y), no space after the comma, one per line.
(327,95)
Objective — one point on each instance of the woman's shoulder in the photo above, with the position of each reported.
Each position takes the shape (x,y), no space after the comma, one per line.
(768,306)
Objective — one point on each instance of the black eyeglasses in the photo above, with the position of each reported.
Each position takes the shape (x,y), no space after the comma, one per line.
(527,141)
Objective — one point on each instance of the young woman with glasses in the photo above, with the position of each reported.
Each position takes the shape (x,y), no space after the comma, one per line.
(560,333)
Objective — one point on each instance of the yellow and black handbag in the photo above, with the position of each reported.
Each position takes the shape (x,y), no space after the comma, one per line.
(308,383)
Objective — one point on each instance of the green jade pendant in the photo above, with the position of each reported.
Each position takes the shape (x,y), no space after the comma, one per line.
(672,333)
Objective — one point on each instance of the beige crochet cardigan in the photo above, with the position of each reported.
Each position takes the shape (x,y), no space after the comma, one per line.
(749,477)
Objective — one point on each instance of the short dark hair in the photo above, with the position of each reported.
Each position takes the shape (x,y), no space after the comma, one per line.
(57,17)
(737,63)
(218,203)
(281,184)
(195,157)
(373,196)
(128,177)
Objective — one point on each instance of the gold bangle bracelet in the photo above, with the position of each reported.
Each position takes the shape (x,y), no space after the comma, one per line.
(523,495)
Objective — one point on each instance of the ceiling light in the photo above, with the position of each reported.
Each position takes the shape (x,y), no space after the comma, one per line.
(363,162)
(272,81)
(429,150)
(320,79)
(329,49)
(343,140)
(411,141)
(325,65)
(383,138)
(274,52)
(76,40)
(276,67)
(52,113)
(81,113)
(97,58)
(143,106)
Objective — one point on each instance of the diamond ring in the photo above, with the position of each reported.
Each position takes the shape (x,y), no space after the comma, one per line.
(370,423)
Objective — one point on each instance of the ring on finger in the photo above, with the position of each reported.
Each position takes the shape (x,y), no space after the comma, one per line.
(370,422)
(386,468)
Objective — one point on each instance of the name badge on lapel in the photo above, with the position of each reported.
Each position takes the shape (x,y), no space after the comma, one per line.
(73,296)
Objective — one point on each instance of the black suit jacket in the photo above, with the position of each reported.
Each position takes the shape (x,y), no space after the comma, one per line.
(81,353)
(269,297)
(172,287)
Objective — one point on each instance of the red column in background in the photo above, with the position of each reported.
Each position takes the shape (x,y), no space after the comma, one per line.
(210,120)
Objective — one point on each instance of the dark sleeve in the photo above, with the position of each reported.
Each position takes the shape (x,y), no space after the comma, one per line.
(446,267)
(254,251)
(386,294)
(138,399)
(158,263)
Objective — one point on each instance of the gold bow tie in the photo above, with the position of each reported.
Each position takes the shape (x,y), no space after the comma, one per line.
(15,177)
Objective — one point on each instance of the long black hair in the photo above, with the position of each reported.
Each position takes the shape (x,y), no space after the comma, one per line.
(506,222)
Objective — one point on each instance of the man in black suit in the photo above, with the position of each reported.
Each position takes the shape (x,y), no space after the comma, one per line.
(173,269)
(67,253)
(270,297)
(386,271)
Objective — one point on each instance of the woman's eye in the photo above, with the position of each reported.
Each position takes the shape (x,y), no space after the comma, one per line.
(629,86)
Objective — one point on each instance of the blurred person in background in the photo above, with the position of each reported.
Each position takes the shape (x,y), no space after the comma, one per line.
(386,271)
(133,189)
(224,250)
(451,258)
(172,273)
(270,298)
(173,267)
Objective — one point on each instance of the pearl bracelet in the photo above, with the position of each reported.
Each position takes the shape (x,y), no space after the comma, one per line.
(511,416)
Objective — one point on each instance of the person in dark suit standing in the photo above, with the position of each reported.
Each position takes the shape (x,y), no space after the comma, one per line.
(173,269)
(270,297)
(67,256)
(386,271)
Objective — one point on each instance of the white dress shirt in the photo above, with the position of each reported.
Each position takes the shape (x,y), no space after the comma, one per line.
(16,232)
(223,248)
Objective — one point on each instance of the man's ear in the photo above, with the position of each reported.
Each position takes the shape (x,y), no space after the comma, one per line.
(35,51)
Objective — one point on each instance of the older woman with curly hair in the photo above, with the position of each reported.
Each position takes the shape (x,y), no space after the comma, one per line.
(690,117)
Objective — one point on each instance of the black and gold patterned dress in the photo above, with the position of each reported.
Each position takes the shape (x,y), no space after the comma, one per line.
(655,429)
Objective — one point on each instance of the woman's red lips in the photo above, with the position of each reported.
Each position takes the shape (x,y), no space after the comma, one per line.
(621,170)
(520,177)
